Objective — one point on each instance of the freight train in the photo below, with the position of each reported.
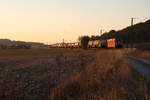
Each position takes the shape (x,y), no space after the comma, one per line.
(67,45)
(108,43)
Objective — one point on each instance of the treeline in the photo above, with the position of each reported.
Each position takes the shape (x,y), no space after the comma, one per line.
(139,33)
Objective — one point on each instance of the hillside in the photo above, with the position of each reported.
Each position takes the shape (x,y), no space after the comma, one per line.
(8,43)
(138,33)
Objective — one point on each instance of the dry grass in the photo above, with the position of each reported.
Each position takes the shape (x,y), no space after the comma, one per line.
(142,54)
(142,50)
(137,53)
(33,77)
(35,52)
(107,78)
(70,75)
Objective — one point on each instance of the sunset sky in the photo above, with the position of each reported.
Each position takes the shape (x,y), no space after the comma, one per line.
(52,20)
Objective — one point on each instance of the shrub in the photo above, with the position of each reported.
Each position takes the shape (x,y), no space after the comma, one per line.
(3,46)
(84,41)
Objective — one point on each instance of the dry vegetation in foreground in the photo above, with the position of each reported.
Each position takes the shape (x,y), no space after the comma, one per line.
(32,77)
(107,78)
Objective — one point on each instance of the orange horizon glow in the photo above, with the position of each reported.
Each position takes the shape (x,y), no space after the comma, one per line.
(49,21)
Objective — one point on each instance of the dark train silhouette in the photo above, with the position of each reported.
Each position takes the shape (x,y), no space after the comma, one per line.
(108,43)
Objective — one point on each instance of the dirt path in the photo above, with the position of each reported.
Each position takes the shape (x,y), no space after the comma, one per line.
(141,65)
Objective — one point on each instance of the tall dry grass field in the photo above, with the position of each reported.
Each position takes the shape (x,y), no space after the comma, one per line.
(142,54)
(108,77)
(137,53)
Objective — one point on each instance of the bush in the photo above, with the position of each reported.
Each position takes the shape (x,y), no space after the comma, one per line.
(3,46)
(84,41)
(20,46)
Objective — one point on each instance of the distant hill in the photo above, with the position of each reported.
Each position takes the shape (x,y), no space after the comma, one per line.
(8,43)
(139,33)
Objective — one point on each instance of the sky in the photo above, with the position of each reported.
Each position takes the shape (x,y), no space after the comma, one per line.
(49,21)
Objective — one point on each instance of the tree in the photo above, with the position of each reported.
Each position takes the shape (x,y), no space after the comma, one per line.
(84,41)
(3,46)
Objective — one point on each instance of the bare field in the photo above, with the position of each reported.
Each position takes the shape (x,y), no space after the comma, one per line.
(29,52)
(69,74)
(26,76)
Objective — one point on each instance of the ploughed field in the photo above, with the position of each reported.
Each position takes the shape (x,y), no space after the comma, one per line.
(32,74)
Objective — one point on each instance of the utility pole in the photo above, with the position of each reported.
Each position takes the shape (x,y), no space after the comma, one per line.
(101,32)
(63,42)
(131,35)
(132,21)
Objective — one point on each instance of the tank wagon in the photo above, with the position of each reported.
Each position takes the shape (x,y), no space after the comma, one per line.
(94,44)
(67,45)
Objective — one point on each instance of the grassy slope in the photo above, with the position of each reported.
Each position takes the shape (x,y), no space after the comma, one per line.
(107,78)
(145,54)
(142,54)
(142,51)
